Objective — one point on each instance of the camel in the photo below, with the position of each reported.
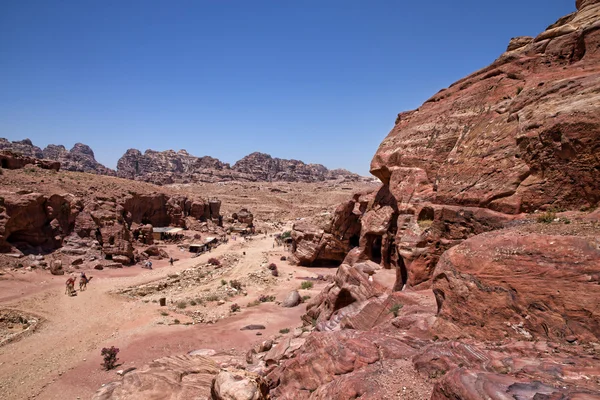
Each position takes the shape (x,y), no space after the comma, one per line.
(70,286)
(83,283)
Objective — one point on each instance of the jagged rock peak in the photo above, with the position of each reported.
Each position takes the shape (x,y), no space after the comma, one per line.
(516,136)
(165,167)
(80,158)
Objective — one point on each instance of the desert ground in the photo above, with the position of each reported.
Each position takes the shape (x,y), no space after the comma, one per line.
(57,354)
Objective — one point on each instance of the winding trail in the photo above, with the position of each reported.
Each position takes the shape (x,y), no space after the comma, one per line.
(61,360)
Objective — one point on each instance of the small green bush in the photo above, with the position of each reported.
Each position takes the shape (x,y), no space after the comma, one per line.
(264,299)
(546,217)
(192,303)
(306,285)
(305,298)
(164,313)
(253,303)
(519,90)
(176,321)
(223,282)
(395,309)
(212,297)
(214,261)
(109,354)
(235,307)
(181,305)
(235,284)
(284,330)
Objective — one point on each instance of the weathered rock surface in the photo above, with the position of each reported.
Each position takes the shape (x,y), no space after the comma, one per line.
(180,167)
(292,299)
(263,167)
(516,302)
(521,285)
(80,158)
(47,222)
(514,137)
(178,377)
(239,385)
(23,147)
(12,160)
(313,246)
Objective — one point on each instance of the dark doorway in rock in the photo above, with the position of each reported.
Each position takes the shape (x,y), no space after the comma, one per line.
(354,241)
(4,163)
(426,216)
(376,249)
(344,299)
(401,275)
(321,263)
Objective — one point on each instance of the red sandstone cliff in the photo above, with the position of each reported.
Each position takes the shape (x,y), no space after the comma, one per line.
(516,301)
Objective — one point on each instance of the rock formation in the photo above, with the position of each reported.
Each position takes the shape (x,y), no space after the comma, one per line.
(493,273)
(168,167)
(11,160)
(263,167)
(514,307)
(48,222)
(80,158)
(23,147)
(162,379)
(180,167)
(518,136)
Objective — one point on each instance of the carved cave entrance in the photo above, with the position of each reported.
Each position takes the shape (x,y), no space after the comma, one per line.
(374,246)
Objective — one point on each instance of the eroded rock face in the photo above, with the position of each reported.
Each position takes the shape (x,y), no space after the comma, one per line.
(515,136)
(80,158)
(521,285)
(12,160)
(515,312)
(239,385)
(518,136)
(162,379)
(180,167)
(44,222)
(263,167)
(23,147)
(314,246)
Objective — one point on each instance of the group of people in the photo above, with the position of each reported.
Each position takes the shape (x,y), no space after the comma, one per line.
(70,284)
(148,263)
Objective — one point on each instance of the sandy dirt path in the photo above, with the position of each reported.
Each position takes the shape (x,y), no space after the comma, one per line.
(61,360)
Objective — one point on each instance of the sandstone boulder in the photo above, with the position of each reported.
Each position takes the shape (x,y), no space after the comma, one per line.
(176,377)
(485,286)
(239,385)
(292,299)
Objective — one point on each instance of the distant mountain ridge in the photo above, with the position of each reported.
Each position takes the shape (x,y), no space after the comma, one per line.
(80,158)
(167,167)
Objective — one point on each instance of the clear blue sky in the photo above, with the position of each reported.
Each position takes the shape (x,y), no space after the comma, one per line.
(320,81)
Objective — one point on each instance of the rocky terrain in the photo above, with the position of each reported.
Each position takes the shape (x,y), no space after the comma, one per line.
(486,215)
(80,158)
(180,167)
(167,167)
(472,272)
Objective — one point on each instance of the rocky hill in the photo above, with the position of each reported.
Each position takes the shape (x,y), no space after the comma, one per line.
(484,214)
(166,167)
(80,158)
(180,167)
